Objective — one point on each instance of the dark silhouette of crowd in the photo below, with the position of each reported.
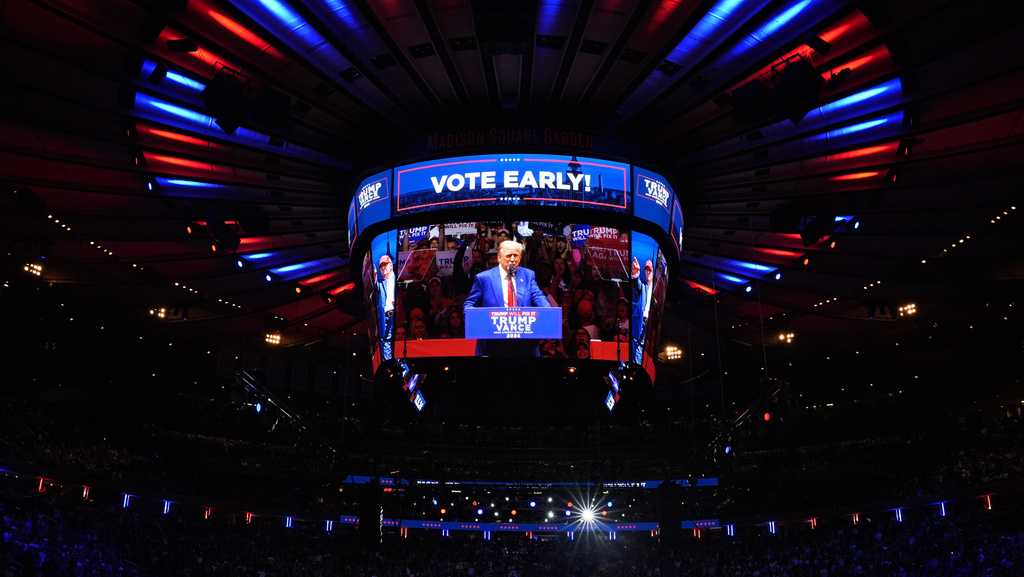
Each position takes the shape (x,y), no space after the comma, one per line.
(46,535)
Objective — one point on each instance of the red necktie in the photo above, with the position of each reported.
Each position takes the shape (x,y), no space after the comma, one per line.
(511,293)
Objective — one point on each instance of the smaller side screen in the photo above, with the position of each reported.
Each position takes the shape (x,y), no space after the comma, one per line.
(653,198)
(373,199)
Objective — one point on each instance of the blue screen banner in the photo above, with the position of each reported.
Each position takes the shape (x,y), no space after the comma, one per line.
(677,224)
(514,323)
(353,228)
(540,179)
(373,199)
(653,198)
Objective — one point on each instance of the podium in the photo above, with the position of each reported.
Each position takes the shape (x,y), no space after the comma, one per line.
(501,323)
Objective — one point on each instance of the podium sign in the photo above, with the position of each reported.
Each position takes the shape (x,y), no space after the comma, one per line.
(514,323)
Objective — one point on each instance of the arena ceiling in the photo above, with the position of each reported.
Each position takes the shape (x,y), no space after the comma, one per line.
(867,151)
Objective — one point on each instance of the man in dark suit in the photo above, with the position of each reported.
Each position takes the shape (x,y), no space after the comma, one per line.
(506,285)
(643,286)
(385,296)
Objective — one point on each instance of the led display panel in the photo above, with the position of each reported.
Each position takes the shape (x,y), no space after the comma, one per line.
(530,179)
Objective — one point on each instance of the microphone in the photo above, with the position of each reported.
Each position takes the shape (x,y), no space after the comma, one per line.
(512,270)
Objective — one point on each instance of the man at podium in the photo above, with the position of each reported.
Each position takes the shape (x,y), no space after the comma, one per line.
(506,285)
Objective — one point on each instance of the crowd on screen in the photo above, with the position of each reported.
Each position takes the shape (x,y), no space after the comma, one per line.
(594,306)
(44,535)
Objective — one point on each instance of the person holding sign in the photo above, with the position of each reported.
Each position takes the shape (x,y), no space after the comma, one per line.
(506,285)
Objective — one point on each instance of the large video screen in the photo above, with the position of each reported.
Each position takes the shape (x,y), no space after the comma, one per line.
(537,179)
(441,270)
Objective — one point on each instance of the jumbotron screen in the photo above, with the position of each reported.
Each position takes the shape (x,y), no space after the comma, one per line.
(608,283)
(437,279)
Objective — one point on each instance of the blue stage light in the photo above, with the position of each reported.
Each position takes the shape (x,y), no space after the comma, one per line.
(186,81)
(164,181)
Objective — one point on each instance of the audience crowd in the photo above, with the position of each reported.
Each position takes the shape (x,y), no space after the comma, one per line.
(41,535)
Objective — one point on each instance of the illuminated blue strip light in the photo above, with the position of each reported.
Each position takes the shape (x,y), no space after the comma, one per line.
(877,97)
(288,26)
(547,15)
(172,113)
(732,279)
(179,80)
(192,120)
(343,18)
(867,100)
(166,181)
(780,21)
(158,110)
(724,18)
(711,28)
(877,127)
(258,255)
(742,267)
(185,81)
(298,270)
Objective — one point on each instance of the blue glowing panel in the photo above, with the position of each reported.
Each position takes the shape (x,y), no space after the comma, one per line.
(701,38)
(512,179)
(303,269)
(866,100)
(547,15)
(745,267)
(677,224)
(877,126)
(353,227)
(652,198)
(373,199)
(165,181)
(731,278)
(778,22)
(185,81)
(258,256)
(162,109)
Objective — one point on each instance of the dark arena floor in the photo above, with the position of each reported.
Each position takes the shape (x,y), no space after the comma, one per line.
(503,288)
